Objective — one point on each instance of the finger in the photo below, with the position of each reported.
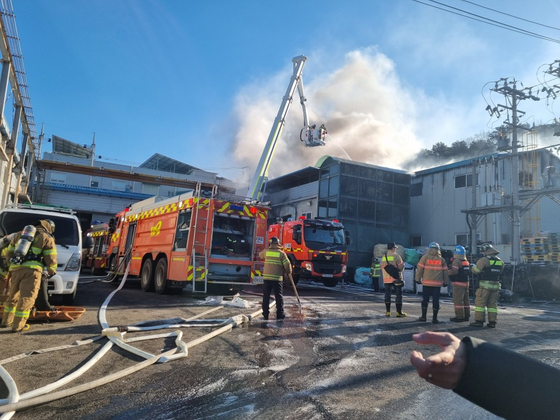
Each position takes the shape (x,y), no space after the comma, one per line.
(417,360)
(429,337)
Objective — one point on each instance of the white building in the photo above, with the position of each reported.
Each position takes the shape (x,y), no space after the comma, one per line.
(442,197)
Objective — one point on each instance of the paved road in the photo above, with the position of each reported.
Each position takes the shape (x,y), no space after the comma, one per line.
(341,358)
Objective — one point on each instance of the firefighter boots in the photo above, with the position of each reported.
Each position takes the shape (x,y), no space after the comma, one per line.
(491,325)
(424,312)
(400,313)
(434,318)
(477,324)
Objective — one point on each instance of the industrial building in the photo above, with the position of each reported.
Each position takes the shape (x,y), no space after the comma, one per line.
(372,202)
(70,176)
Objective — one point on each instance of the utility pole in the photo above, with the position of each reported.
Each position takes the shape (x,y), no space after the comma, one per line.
(512,96)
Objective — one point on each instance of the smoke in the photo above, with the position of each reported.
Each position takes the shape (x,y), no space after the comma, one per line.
(369,115)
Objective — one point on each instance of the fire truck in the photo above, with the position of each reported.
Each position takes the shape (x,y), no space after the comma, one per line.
(95,258)
(193,240)
(317,248)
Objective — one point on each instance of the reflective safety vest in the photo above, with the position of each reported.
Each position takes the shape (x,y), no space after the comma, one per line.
(461,279)
(376,270)
(276,263)
(492,272)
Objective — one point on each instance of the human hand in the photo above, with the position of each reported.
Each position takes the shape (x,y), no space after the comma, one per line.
(443,369)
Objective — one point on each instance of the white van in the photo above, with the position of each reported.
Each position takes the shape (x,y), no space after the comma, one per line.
(67,235)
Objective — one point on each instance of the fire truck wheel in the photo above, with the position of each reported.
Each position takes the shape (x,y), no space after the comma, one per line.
(160,277)
(147,276)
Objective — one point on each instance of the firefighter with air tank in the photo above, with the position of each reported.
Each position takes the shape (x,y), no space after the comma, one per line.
(459,275)
(30,253)
(489,268)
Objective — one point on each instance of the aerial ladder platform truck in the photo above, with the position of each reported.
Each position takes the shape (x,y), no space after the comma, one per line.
(316,248)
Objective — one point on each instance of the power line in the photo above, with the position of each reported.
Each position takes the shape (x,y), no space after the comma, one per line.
(513,16)
(488,21)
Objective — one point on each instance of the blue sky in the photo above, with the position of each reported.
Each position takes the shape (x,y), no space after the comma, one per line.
(201,81)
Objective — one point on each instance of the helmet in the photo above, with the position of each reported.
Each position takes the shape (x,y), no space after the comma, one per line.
(274,240)
(50,222)
(459,250)
(434,245)
(486,248)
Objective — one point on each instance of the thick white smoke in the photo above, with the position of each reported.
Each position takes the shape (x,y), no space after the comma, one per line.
(368,114)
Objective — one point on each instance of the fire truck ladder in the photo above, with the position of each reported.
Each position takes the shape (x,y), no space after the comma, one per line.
(202,215)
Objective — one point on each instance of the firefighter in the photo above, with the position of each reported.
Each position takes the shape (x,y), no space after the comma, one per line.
(489,268)
(375,273)
(276,264)
(4,266)
(459,274)
(26,274)
(432,273)
(390,282)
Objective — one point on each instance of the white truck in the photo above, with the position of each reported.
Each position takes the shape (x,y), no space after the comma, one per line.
(68,238)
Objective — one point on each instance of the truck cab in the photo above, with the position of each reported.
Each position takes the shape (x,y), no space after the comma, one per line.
(317,248)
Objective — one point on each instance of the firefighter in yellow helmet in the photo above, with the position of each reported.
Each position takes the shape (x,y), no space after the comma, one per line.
(276,264)
(26,272)
(489,268)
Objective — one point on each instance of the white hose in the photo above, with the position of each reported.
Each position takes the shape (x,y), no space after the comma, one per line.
(13,393)
(116,336)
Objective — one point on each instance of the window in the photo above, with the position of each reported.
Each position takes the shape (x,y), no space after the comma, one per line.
(323,208)
(465,238)
(366,210)
(58,177)
(119,185)
(306,215)
(348,207)
(333,186)
(151,189)
(416,189)
(402,195)
(367,189)
(416,240)
(462,181)
(94,184)
(348,186)
(333,208)
(384,192)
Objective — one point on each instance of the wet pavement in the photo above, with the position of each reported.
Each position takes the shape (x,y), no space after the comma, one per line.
(339,358)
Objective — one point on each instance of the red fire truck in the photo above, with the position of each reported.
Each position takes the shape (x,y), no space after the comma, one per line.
(95,257)
(199,239)
(317,248)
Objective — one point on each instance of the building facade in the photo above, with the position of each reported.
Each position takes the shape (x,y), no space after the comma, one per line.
(441,198)
(372,202)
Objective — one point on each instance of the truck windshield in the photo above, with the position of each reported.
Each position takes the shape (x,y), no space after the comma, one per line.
(66,231)
(324,235)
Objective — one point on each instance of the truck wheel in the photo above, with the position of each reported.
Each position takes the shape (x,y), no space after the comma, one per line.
(68,300)
(330,282)
(160,277)
(147,276)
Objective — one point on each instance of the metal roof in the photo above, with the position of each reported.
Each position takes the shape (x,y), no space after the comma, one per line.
(167,164)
